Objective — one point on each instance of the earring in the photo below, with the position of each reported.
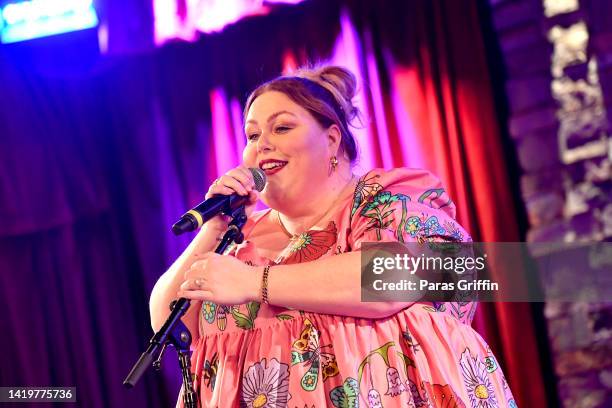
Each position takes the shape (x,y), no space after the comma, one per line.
(333,163)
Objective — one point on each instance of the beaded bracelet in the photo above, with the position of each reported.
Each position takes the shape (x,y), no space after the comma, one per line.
(264,285)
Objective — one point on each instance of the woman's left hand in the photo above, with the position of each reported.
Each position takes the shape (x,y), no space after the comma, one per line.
(221,279)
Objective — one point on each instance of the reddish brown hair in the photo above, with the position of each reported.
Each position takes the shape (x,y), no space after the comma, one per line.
(326,93)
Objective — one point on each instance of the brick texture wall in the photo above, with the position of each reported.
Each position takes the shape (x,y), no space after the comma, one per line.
(558,62)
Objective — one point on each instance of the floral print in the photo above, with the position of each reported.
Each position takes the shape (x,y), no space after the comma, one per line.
(222,311)
(258,355)
(367,186)
(434,198)
(374,399)
(475,376)
(208,311)
(443,396)
(266,385)
(246,321)
(507,393)
(410,342)
(395,386)
(381,215)
(346,395)
(311,245)
(418,399)
(435,307)
(211,312)
(453,230)
(490,363)
(424,226)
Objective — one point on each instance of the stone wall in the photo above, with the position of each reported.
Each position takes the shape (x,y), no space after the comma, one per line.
(558,62)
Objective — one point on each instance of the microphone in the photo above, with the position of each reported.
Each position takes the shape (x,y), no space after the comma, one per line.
(207,209)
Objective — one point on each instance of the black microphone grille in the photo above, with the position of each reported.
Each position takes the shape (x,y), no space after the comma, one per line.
(260,178)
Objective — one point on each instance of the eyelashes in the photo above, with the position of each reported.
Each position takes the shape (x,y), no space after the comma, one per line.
(281,129)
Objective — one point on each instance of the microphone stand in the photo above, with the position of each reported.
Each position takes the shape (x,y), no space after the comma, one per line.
(175,333)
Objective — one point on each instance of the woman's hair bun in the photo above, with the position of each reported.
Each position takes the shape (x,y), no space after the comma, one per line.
(339,81)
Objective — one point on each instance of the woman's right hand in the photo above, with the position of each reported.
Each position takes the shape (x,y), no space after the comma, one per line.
(238,180)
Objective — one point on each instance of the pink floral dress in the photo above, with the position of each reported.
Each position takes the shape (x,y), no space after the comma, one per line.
(426,355)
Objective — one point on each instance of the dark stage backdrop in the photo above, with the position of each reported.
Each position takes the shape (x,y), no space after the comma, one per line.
(98,156)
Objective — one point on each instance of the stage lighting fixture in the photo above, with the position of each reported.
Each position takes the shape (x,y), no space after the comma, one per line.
(25,20)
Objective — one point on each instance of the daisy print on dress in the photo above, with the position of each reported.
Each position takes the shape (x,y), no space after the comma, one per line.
(346,395)
(307,350)
(311,245)
(265,385)
(477,383)
(367,187)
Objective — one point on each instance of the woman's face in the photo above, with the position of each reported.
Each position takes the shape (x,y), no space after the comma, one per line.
(289,145)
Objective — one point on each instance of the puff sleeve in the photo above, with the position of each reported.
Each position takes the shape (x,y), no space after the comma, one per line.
(407,205)
(404,205)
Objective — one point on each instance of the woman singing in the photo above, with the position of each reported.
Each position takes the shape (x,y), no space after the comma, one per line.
(277,321)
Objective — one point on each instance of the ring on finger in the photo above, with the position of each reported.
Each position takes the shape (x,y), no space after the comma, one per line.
(216,181)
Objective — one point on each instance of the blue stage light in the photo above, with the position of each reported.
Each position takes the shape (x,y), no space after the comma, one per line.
(25,20)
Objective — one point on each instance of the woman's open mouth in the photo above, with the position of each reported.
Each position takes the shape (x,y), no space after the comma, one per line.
(271,167)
